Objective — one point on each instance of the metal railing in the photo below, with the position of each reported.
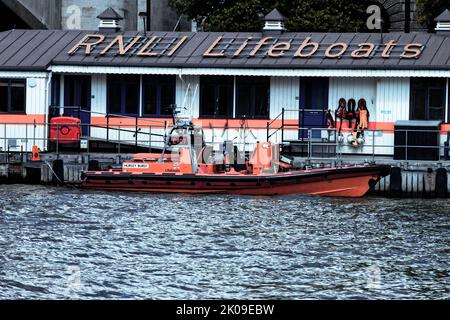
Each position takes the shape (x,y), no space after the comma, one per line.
(370,144)
(318,143)
(339,142)
(138,121)
(127,137)
(143,134)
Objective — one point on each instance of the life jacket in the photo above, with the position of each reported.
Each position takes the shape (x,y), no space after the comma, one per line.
(363,114)
(341,112)
(364,119)
(330,121)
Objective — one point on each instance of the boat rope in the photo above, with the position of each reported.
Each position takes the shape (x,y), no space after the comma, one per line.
(53,171)
(58,178)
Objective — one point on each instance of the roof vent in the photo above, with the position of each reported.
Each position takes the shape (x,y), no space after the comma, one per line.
(443,23)
(109,20)
(274,22)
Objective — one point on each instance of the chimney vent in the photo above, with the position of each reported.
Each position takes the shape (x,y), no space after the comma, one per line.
(109,20)
(274,22)
(443,23)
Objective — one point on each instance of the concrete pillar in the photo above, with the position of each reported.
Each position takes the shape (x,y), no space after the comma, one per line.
(42,14)
(130,10)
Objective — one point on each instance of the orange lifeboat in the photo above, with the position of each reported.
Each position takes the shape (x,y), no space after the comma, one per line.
(179,170)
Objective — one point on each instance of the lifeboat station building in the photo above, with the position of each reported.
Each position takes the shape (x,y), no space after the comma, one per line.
(241,87)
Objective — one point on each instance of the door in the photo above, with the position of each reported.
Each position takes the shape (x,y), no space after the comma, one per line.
(77,100)
(428,99)
(313,105)
(436,103)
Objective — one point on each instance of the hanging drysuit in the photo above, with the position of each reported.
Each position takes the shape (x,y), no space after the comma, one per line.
(363,115)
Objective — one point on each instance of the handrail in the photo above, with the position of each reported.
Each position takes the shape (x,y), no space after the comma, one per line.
(374,142)
(109,114)
(125,130)
(270,123)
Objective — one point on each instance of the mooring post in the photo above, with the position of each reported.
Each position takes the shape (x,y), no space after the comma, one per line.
(429,183)
(58,172)
(94,165)
(441,183)
(395,185)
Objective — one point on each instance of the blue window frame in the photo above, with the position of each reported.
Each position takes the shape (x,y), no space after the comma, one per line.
(158,95)
(123,95)
(13,96)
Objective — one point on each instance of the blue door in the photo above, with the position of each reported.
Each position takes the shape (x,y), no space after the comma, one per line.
(313,105)
(77,100)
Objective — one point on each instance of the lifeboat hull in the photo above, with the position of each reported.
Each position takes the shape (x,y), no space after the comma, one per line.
(350,182)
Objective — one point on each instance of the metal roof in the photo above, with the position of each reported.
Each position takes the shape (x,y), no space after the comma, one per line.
(110,14)
(34,50)
(275,15)
(443,17)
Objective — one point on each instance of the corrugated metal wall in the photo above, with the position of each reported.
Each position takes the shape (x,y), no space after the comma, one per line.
(35,95)
(284,93)
(98,91)
(355,88)
(188,94)
(348,88)
(21,137)
(393,95)
(36,104)
(388,101)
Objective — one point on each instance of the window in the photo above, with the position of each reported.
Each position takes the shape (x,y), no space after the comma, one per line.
(253,97)
(158,95)
(428,99)
(216,97)
(123,95)
(77,96)
(314,93)
(12,96)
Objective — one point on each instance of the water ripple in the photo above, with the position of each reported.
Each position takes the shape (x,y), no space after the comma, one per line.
(68,244)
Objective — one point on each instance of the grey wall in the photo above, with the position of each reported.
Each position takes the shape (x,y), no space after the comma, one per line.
(88,10)
(163,18)
(38,14)
(396,11)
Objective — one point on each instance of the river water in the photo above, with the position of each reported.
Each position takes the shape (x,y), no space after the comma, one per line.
(58,243)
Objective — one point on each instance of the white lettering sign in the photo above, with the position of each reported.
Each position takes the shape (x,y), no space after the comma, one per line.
(135,166)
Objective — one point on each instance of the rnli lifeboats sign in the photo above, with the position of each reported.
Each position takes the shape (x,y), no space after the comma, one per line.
(222,47)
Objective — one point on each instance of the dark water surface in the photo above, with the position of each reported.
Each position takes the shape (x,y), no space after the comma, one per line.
(65,243)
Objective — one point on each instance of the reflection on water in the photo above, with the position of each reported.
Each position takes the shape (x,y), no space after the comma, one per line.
(65,243)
